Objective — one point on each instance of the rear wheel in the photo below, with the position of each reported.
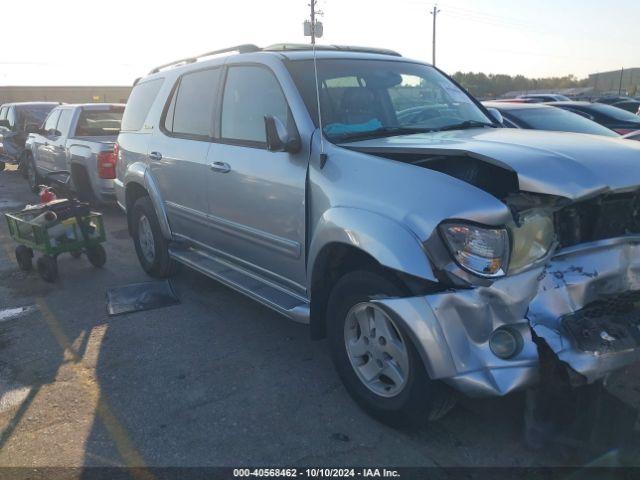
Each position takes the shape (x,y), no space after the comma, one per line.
(97,255)
(151,246)
(375,357)
(82,184)
(24,257)
(47,268)
(32,174)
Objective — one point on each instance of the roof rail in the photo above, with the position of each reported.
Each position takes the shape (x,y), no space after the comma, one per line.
(280,47)
(245,48)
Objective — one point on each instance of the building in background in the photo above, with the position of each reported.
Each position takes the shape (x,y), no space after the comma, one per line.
(609,82)
(79,94)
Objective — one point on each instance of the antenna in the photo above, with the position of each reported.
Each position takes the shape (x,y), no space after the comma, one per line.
(314,29)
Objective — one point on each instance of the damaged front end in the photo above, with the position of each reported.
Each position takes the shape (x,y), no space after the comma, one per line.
(574,295)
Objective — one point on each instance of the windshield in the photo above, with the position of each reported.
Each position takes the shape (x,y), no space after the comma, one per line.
(99,123)
(551,118)
(364,97)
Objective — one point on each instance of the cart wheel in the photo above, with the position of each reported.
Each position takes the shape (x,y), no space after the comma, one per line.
(47,268)
(24,255)
(76,253)
(96,255)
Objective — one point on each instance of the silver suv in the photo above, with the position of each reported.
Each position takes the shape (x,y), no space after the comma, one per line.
(379,202)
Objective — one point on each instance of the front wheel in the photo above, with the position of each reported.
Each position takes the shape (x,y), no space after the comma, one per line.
(375,357)
(24,256)
(151,246)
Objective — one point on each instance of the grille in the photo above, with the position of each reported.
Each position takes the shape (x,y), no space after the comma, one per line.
(604,217)
(606,325)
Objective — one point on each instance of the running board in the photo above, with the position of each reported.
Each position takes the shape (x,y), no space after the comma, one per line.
(273,296)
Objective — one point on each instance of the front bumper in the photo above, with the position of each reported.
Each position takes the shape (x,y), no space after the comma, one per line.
(452,329)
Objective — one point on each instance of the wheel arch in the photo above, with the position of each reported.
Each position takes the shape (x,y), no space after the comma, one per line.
(347,239)
(139,182)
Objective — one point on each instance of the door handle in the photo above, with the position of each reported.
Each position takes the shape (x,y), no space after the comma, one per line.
(156,156)
(220,167)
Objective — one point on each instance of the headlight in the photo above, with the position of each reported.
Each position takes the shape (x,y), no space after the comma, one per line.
(483,251)
(532,240)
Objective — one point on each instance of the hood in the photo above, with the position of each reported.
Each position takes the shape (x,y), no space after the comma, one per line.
(570,165)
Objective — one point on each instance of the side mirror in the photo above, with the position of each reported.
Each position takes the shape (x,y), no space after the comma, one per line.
(53,133)
(497,116)
(278,138)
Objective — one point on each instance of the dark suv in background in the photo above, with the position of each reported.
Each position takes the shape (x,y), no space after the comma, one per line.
(17,120)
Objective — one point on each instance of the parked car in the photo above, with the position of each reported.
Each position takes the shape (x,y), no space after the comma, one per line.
(16,121)
(80,139)
(543,117)
(633,135)
(611,99)
(545,97)
(609,116)
(438,254)
(632,106)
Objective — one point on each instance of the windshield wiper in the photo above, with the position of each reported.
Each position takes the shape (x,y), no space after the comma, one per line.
(464,125)
(382,132)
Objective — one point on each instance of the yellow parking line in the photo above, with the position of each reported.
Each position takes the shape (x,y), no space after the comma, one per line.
(123,443)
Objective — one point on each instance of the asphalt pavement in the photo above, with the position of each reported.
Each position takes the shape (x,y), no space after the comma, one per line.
(216,380)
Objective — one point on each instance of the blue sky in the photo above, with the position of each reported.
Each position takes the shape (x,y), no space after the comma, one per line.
(123,39)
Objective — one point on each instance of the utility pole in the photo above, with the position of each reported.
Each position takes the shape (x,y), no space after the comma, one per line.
(434,12)
(312,27)
(620,86)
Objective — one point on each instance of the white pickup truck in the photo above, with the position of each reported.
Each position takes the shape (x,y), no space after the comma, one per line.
(80,139)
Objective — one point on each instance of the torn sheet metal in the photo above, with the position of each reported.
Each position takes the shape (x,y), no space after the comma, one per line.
(580,279)
(452,329)
(140,296)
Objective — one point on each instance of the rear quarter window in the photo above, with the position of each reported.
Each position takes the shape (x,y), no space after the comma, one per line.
(139,104)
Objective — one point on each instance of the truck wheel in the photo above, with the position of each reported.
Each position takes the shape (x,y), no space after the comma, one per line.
(24,255)
(375,357)
(97,255)
(2,166)
(32,174)
(82,184)
(151,246)
(47,268)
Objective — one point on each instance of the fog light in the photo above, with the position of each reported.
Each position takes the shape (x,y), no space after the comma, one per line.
(505,342)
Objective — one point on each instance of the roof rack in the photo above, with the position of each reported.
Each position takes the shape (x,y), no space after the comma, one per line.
(245,48)
(279,47)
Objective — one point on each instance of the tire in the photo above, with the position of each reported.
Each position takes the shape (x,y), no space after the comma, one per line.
(82,185)
(24,256)
(47,268)
(151,246)
(33,179)
(410,403)
(97,255)
(2,166)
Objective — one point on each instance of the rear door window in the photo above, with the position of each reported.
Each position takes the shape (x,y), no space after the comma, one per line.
(139,104)
(99,123)
(52,121)
(65,121)
(190,112)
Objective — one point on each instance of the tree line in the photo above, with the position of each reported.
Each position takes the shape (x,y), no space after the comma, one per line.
(493,85)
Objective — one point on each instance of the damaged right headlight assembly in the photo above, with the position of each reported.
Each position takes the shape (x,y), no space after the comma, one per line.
(490,252)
